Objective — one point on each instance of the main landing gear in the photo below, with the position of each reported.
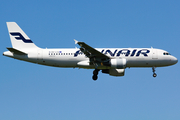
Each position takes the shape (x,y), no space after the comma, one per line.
(95,74)
(154,74)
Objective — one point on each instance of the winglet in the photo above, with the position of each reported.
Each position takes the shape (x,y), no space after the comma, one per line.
(76,42)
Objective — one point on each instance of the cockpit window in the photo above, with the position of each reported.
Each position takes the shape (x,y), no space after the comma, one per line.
(165,53)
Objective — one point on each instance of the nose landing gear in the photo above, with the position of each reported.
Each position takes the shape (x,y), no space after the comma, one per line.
(95,74)
(154,74)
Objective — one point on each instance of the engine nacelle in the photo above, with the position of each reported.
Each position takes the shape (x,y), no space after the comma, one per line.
(118,63)
(114,72)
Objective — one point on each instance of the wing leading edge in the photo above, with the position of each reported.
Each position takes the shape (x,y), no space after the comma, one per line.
(96,58)
(90,52)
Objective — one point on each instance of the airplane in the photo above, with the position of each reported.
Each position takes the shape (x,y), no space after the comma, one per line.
(112,61)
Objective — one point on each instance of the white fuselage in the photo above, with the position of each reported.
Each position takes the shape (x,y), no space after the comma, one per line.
(135,57)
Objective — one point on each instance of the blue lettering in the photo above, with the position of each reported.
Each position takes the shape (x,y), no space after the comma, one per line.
(102,51)
(76,54)
(112,54)
(124,51)
(143,51)
(133,52)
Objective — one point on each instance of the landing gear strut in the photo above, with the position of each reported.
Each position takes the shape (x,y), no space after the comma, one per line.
(154,74)
(95,74)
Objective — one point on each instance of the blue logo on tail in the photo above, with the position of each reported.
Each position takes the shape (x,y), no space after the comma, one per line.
(20,37)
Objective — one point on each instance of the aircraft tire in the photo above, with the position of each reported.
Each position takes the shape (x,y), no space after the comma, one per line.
(154,75)
(95,77)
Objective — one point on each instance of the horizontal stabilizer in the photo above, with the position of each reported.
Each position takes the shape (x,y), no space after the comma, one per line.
(15,51)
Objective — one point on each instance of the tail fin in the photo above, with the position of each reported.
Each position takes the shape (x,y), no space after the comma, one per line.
(19,39)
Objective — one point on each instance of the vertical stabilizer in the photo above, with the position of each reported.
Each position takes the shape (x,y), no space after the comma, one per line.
(18,38)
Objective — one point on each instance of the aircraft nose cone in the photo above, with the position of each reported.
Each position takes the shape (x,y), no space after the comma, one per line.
(174,60)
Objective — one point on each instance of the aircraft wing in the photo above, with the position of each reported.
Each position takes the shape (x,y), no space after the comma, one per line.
(91,52)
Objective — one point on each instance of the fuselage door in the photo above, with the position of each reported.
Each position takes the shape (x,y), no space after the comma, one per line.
(40,55)
(154,53)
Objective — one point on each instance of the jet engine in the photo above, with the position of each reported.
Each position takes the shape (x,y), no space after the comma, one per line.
(116,63)
(114,72)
